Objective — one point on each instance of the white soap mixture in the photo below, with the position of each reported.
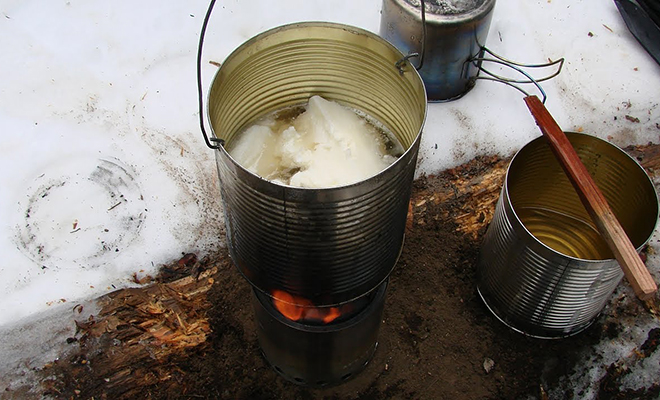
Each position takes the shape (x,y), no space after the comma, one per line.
(323,145)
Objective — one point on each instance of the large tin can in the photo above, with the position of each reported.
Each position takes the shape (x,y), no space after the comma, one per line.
(542,271)
(327,245)
(452,41)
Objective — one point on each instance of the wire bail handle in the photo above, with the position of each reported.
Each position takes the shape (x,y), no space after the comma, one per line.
(406,59)
(212,142)
(478,59)
(516,66)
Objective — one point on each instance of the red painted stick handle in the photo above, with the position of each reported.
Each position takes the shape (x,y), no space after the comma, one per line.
(608,226)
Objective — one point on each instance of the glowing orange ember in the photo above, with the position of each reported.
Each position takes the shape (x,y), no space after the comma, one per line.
(298,308)
(333,314)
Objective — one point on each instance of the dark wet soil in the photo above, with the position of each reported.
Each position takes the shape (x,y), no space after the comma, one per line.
(437,339)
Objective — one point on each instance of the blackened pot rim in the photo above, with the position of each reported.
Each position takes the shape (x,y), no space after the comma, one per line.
(458,19)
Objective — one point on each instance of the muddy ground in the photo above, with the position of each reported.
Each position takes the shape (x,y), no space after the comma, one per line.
(434,341)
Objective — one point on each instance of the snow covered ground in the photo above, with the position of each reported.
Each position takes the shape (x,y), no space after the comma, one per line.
(105,173)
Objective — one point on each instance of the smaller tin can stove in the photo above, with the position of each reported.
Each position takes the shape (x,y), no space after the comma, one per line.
(311,352)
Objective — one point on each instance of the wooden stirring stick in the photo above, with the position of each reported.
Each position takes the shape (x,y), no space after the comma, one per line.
(608,226)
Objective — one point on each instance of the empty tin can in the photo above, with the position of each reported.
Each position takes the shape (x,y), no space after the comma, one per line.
(449,39)
(543,269)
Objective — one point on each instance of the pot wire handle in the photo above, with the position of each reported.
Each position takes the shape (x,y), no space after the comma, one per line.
(518,67)
(399,64)
(213,142)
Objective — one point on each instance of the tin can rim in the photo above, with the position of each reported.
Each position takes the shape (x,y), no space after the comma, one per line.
(330,25)
(549,249)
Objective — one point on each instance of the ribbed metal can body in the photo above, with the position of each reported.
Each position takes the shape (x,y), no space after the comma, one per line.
(452,41)
(327,245)
(319,355)
(548,282)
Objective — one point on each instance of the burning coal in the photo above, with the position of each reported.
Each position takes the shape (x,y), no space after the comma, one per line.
(297,308)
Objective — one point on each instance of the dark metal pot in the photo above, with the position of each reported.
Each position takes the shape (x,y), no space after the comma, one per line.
(453,41)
